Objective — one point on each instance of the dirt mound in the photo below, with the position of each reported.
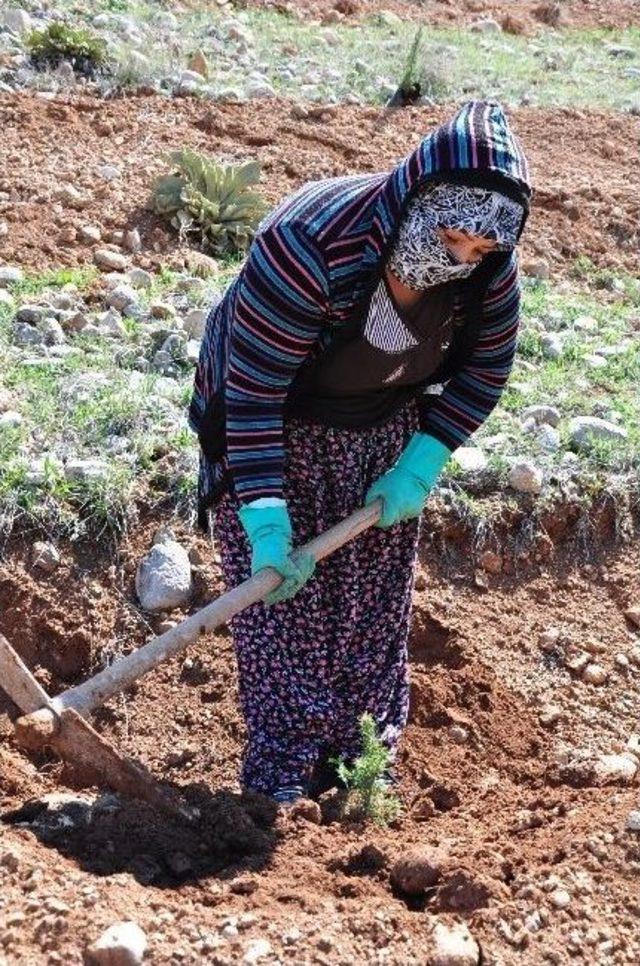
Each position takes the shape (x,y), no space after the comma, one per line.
(589,207)
(577,13)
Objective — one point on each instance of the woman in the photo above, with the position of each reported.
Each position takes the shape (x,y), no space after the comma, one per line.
(369,333)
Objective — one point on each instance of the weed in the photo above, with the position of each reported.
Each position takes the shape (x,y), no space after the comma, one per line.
(211,200)
(86,52)
(369,795)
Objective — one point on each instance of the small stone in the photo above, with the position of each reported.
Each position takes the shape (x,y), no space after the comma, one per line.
(260,89)
(198,63)
(46,557)
(194,323)
(72,198)
(9,275)
(526,477)
(32,314)
(584,430)
(560,898)
(256,950)
(163,577)
(548,439)
(11,419)
(634,656)
(109,261)
(491,562)
(470,459)
(162,310)
(550,715)
(486,25)
(109,172)
(453,945)
(417,871)
(86,470)
(537,269)
(585,323)
(633,615)
(24,334)
(122,297)
(90,233)
(132,241)
(420,582)
(594,674)
(17,21)
(622,661)
(633,821)
(52,332)
(458,734)
(615,768)
(542,415)
(551,346)
(122,944)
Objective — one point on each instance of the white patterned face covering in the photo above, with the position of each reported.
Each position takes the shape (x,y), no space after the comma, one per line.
(420,259)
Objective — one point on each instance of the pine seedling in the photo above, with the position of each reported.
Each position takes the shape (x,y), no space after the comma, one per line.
(369,795)
(410,86)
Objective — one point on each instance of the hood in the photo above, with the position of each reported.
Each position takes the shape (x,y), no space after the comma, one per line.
(477,146)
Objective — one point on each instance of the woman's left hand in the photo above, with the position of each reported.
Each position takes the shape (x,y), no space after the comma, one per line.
(404,488)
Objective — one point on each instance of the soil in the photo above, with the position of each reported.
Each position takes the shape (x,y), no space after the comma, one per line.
(501,789)
(584,166)
(528,14)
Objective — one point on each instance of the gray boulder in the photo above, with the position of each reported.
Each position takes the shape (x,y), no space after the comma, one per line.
(542,414)
(585,430)
(163,578)
(526,477)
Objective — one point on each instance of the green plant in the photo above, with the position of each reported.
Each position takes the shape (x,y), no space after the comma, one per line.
(85,51)
(211,200)
(369,795)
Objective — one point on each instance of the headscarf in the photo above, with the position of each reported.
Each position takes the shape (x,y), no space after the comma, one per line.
(420,259)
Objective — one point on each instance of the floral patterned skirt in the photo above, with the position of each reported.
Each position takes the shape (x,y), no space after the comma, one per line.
(309,667)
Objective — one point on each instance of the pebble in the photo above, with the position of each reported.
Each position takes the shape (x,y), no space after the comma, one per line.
(538,268)
(90,233)
(122,297)
(72,197)
(24,334)
(548,415)
(551,346)
(45,557)
(10,275)
(10,419)
(633,821)
(163,577)
(194,323)
(458,734)
(616,768)
(122,944)
(260,89)
(85,470)
(633,615)
(583,430)
(470,459)
(594,674)
(453,945)
(17,21)
(560,898)
(526,477)
(548,439)
(109,261)
(109,172)
(550,715)
(486,25)
(585,323)
(256,950)
(416,871)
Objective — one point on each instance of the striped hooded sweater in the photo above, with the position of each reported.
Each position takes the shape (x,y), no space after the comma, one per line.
(312,269)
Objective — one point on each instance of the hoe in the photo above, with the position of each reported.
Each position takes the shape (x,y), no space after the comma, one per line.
(60,724)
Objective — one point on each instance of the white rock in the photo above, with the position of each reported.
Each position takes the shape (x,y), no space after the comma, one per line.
(192,351)
(256,950)
(611,768)
(17,21)
(548,439)
(633,821)
(109,172)
(163,578)
(72,197)
(10,419)
(594,674)
(132,241)
(585,323)
(110,261)
(139,278)
(52,332)
(9,275)
(585,429)
(560,898)
(551,346)
(46,557)
(260,89)
(453,945)
(189,77)
(121,297)
(470,458)
(526,477)
(110,323)
(542,415)
(122,944)
(594,361)
(195,322)
(90,233)
(487,25)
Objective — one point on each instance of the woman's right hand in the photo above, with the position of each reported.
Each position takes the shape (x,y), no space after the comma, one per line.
(269,531)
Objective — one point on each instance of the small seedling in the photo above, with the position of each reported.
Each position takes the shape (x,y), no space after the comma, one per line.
(369,795)
(86,52)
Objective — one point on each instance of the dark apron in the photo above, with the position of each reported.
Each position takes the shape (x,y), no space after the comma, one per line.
(355,383)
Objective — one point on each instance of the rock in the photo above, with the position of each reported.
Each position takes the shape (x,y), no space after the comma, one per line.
(72,198)
(10,419)
(7,400)
(192,351)
(538,268)
(594,674)
(307,809)
(90,233)
(542,415)
(256,950)
(162,310)
(110,324)
(526,477)
(551,346)
(491,562)
(85,471)
(550,715)
(260,89)
(109,172)
(195,322)
(458,734)
(190,80)
(122,297)
(633,821)
(594,361)
(32,314)
(548,439)
(585,323)
(17,21)
(487,25)
(560,898)
(163,577)
(615,768)
(633,615)
(24,334)
(52,332)
(584,430)
(453,945)
(470,459)
(122,944)
(132,241)
(45,557)
(198,63)
(109,261)
(139,278)
(9,275)
(416,871)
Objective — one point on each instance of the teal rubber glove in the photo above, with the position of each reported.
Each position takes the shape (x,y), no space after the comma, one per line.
(404,488)
(269,531)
